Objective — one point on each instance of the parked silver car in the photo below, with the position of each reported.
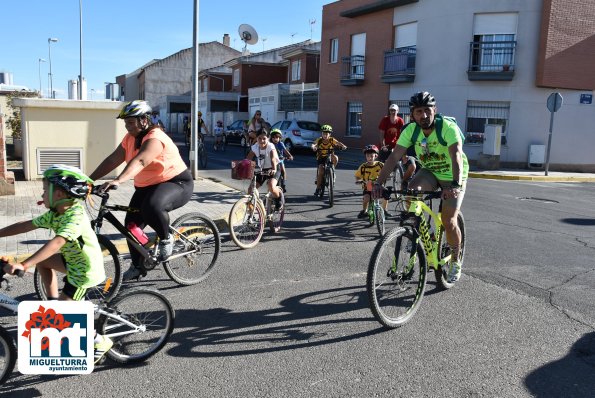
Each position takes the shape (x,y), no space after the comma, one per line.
(298,133)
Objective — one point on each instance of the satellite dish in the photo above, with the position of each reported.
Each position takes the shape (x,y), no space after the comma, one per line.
(248,35)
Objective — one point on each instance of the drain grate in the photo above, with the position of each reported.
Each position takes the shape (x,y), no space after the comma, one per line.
(541,200)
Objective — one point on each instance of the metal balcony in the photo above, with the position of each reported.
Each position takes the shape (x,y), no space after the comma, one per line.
(352,70)
(491,60)
(399,65)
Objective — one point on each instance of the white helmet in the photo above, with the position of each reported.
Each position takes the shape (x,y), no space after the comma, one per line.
(395,107)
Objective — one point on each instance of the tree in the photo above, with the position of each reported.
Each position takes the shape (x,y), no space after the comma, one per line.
(14,120)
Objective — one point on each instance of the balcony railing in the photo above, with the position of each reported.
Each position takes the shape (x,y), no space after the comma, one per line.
(298,97)
(399,65)
(491,60)
(352,70)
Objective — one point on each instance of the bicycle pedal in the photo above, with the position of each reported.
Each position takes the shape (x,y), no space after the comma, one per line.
(101,361)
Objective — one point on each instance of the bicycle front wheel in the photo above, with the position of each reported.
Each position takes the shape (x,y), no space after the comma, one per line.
(196,237)
(105,290)
(379,216)
(276,216)
(246,222)
(330,177)
(139,324)
(8,355)
(396,278)
(397,179)
(445,252)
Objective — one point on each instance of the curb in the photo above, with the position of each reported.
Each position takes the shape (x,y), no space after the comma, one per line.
(511,177)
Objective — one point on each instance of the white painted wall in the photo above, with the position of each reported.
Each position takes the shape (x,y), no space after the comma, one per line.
(444,31)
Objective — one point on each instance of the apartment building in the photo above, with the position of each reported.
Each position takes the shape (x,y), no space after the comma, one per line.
(488,63)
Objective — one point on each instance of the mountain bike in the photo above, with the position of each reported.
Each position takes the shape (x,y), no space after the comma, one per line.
(375,211)
(139,322)
(196,242)
(328,177)
(396,278)
(248,215)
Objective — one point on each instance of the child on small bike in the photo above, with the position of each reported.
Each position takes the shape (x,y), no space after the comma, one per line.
(366,174)
(218,131)
(323,147)
(268,162)
(74,250)
(283,153)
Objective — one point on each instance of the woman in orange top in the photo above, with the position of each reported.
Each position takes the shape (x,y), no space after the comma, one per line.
(161,179)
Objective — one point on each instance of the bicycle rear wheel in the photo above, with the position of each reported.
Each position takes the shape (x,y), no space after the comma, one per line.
(330,178)
(246,222)
(105,290)
(198,237)
(444,251)
(153,318)
(276,216)
(396,278)
(8,355)
(379,216)
(397,179)
(202,156)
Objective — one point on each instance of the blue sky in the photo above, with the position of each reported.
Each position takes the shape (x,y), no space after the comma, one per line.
(118,38)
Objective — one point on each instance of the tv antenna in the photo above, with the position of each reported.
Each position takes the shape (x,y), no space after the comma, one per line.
(248,35)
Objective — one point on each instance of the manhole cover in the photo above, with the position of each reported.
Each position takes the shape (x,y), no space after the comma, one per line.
(539,200)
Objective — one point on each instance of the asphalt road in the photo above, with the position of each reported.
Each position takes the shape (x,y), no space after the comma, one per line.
(290,317)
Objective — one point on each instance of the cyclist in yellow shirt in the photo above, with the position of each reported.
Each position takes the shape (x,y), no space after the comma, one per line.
(323,147)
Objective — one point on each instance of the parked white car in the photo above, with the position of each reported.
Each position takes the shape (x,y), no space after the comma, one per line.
(297,133)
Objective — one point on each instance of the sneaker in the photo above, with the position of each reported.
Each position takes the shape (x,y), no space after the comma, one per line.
(454,274)
(387,214)
(362,214)
(133,273)
(317,192)
(166,248)
(102,347)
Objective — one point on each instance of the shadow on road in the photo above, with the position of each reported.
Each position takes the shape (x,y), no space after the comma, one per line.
(305,320)
(571,376)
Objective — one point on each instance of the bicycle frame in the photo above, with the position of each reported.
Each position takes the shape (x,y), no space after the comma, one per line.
(105,212)
(255,196)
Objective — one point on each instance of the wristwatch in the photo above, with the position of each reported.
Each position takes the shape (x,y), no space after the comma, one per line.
(455,184)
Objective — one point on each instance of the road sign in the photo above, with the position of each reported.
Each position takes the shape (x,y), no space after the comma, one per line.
(586,98)
(554,102)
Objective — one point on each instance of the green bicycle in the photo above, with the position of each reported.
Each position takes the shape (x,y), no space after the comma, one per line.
(396,279)
(374,210)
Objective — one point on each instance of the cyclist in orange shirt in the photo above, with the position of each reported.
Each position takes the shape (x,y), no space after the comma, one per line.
(162,181)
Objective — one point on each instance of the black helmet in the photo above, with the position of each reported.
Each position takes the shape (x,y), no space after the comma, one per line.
(422,99)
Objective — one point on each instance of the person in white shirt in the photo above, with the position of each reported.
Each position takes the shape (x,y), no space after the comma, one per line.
(267,161)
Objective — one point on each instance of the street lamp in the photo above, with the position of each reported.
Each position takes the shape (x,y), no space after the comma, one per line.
(50,41)
(92,91)
(40,61)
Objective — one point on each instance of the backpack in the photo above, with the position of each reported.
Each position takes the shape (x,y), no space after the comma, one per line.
(439,120)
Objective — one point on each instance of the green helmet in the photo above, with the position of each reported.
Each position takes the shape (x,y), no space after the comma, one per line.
(326,128)
(135,109)
(70,179)
(276,132)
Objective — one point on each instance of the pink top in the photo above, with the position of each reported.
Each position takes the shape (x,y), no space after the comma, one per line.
(164,167)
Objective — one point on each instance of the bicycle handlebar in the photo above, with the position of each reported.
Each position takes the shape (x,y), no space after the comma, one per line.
(414,192)
(96,190)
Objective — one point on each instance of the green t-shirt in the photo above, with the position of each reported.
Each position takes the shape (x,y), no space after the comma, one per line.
(437,158)
(81,252)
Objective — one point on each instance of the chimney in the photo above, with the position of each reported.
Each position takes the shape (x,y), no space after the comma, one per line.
(226,39)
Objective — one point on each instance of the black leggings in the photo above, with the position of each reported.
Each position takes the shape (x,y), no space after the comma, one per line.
(155,202)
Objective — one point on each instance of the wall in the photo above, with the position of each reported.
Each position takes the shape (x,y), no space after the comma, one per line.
(441,69)
(90,125)
(372,93)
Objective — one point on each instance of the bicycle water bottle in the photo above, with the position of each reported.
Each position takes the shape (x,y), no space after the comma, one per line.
(138,233)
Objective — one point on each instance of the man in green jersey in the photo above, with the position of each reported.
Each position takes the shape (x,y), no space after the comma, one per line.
(438,144)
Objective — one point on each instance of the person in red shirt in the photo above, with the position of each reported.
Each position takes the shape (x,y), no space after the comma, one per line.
(390,129)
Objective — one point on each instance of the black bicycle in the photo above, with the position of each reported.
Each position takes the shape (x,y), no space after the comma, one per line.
(196,245)
(328,177)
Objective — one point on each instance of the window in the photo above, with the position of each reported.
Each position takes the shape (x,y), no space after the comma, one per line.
(354,119)
(480,113)
(494,36)
(334,54)
(236,77)
(296,66)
